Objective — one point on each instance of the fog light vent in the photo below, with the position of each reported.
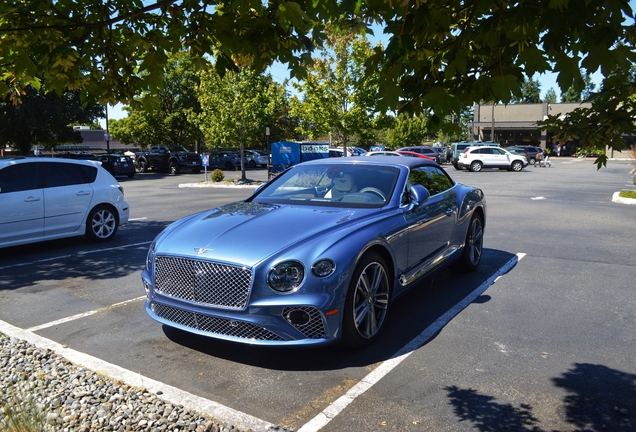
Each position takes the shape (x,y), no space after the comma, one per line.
(307,320)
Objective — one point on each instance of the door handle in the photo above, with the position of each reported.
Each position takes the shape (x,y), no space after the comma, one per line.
(82,193)
(32,199)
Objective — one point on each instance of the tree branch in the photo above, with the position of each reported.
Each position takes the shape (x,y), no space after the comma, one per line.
(103,23)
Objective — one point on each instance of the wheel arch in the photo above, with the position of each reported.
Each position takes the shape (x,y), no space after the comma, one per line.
(108,205)
(383,251)
(480,211)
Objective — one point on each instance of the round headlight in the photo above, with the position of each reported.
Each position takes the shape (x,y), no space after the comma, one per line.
(323,268)
(286,276)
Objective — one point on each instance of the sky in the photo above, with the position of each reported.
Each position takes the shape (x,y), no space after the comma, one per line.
(279,73)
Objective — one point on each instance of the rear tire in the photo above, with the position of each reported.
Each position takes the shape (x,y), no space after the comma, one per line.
(367,301)
(475,166)
(473,245)
(142,166)
(102,223)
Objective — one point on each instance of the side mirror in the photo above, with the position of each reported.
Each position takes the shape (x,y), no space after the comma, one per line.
(259,188)
(419,195)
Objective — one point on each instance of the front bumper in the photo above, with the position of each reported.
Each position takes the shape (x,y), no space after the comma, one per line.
(288,322)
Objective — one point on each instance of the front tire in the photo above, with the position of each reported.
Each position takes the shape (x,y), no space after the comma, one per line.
(101,224)
(174,168)
(516,166)
(473,245)
(143,166)
(367,301)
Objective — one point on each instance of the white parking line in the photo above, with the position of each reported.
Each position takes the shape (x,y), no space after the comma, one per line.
(82,315)
(387,366)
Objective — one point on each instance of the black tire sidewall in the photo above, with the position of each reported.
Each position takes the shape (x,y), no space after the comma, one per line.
(89,224)
(350,335)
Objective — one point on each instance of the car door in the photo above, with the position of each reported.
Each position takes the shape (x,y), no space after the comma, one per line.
(22,203)
(500,158)
(431,224)
(67,197)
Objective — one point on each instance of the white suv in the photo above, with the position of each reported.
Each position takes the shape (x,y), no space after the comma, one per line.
(51,198)
(477,158)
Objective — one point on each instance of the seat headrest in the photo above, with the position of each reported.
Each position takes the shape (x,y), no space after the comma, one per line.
(344,183)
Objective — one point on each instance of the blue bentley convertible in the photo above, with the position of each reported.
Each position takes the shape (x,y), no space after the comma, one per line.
(339,240)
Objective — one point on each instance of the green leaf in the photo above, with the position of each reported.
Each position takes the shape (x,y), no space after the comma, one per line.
(505,86)
(533,61)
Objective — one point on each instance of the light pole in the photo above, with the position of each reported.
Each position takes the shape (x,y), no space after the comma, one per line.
(492,125)
(107,135)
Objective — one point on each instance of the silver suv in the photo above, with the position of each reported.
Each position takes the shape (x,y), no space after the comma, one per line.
(477,158)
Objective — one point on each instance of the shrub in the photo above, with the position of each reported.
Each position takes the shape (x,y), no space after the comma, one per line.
(21,413)
(217,175)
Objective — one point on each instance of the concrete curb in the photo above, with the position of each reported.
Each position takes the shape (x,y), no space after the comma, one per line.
(621,200)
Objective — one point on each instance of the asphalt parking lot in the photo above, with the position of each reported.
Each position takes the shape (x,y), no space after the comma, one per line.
(542,337)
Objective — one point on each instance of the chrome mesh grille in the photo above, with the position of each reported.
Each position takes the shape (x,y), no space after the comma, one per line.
(203,281)
(315,328)
(214,325)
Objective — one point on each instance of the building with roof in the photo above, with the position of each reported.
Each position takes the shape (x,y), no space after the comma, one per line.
(516,124)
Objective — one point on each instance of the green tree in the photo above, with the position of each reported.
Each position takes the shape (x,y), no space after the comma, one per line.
(170,119)
(550,96)
(407,131)
(238,107)
(530,92)
(44,118)
(440,55)
(339,97)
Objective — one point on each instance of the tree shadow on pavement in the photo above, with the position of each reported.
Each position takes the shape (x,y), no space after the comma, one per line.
(598,399)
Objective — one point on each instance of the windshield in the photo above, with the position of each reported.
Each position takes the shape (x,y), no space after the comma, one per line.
(343,185)
(176,148)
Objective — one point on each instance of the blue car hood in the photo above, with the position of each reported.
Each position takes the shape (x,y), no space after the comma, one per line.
(247,232)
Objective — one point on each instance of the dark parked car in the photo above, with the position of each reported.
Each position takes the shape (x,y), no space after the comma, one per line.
(339,240)
(532,152)
(118,165)
(425,150)
(224,159)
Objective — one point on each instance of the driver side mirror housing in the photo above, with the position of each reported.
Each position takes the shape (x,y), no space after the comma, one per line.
(419,195)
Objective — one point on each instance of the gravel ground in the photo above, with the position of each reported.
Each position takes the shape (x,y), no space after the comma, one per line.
(71,398)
